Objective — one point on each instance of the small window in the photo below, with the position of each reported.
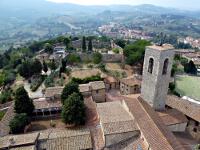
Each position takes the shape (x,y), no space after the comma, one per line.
(195,130)
(97,91)
(165,66)
(151,63)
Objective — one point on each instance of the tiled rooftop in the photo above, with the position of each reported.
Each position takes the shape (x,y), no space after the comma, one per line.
(45,104)
(110,79)
(18,140)
(150,124)
(172,117)
(188,108)
(51,91)
(69,139)
(114,118)
(131,81)
(84,88)
(97,85)
(4,123)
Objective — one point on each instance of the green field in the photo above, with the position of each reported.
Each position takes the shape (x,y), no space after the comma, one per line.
(188,86)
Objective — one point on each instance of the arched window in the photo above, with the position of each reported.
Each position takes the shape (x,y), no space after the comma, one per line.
(165,66)
(151,63)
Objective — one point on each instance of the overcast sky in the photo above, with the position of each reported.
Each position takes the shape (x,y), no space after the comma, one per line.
(181,4)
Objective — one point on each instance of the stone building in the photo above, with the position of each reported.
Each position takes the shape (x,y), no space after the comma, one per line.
(52,139)
(95,89)
(111,83)
(118,126)
(191,110)
(54,92)
(130,86)
(85,90)
(98,91)
(156,75)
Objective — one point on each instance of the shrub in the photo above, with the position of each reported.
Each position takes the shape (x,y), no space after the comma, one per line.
(2,113)
(18,123)
(87,80)
(73,111)
(36,82)
(5,96)
(97,58)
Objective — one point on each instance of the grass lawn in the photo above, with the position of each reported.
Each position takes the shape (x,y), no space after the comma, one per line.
(1,114)
(188,86)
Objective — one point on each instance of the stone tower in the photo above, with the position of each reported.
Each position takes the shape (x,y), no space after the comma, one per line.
(156,75)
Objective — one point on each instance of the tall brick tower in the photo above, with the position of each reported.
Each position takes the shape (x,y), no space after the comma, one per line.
(156,74)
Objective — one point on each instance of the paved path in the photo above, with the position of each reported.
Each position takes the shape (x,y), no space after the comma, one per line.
(37,94)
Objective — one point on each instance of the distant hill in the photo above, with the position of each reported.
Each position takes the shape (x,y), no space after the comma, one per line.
(29,20)
(42,8)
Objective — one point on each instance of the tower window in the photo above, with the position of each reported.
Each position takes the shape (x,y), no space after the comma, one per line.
(151,63)
(165,66)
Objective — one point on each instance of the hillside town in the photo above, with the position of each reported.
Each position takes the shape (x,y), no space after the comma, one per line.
(93,94)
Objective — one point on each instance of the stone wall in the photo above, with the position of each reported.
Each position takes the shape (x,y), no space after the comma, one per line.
(178,127)
(126,89)
(99,96)
(105,57)
(120,141)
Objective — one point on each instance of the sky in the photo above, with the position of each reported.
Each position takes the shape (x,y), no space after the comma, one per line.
(181,4)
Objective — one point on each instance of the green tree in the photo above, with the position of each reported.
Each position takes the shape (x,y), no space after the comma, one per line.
(121,43)
(48,48)
(134,53)
(2,79)
(190,68)
(73,111)
(23,104)
(67,42)
(52,65)
(84,44)
(45,67)
(90,47)
(5,96)
(97,58)
(73,58)
(25,69)
(18,123)
(36,67)
(70,88)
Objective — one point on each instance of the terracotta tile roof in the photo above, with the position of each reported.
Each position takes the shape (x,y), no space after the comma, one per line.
(139,144)
(150,124)
(4,123)
(52,91)
(18,140)
(84,88)
(114,118)
(45,104)
(110,79)
(97,85)
(130,81)
(69,139)
(172,117)
(188,108)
